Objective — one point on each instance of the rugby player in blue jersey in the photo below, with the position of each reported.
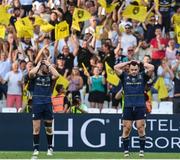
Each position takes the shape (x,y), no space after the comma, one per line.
(134,81)
(42,76)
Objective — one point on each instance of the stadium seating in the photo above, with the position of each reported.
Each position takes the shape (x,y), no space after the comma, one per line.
(155,107)
(155,104)
(93,110)
(9,110)
(120,110)
(166,107)
(2,104)
(109,110)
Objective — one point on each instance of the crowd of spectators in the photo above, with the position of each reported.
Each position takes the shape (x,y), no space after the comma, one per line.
(119,40)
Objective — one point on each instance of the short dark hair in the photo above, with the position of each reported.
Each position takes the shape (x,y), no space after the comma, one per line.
(134,63)
(146,55)
(22,61)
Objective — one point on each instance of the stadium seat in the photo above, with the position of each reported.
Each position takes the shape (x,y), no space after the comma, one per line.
(166,107)
(9,110)
(93,110)
(120,110)
(155,111)
(2,103)
(155,104)
(155,107)
(109,110)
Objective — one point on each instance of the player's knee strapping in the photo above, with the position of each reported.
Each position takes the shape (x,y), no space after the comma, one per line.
(48,128)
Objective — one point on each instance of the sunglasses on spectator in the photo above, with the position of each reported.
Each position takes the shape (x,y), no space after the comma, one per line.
(130,50)
(127,28)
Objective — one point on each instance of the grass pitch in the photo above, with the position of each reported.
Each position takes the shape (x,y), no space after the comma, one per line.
(86,155)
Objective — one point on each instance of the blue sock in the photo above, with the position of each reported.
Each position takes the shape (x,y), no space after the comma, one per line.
(142,141)
(36,141)
(126,143)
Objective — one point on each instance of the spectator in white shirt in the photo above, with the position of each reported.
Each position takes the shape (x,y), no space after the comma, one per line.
(5,66)
(127,39)
(14,81)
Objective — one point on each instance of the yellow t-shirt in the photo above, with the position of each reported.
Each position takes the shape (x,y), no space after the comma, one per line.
(176,19)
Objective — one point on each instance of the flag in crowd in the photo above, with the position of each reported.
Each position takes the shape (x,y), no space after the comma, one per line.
(44,25)
(75,25)
(81,15)
(26,94)
(161,88)
(61,30)
(61,80)
(156,4)
(2,31)
(85,69)
(98,31)
(112,77)
(24,28)
(138,13)
(4,18)
(108,7)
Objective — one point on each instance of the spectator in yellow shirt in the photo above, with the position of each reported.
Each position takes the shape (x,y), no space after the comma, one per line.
(175,20)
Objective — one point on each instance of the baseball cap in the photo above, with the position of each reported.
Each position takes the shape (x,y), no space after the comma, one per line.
(128,25)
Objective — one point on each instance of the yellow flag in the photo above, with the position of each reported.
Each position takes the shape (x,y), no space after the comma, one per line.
(4,8)
(24,28)
(161,88)
(2,31)
(28,33)
(157,4)
(38,21)
(27,22)
(19,28)
(111,75)
(135,12)
(108,7)
(26,94)
(28,29)
(61,30)
(102,3)
(98,31)
(81,15)
(61,80)
(4,18)
(178,33)
(46,27)
(111,7)
(85,69)
(75,25)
